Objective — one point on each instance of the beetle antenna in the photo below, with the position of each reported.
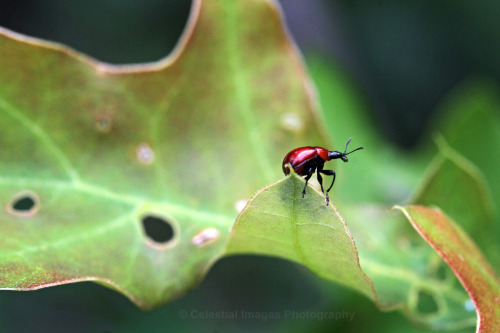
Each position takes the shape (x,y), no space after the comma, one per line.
(352,151)
(346,145)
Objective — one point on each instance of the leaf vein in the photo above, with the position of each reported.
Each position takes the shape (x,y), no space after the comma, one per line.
(43,136)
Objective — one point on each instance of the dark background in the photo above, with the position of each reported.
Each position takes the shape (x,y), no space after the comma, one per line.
(404,55)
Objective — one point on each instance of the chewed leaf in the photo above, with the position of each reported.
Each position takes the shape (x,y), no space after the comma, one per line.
(406,272)
(458,187)
(128,175)
(466,260)
(278,221)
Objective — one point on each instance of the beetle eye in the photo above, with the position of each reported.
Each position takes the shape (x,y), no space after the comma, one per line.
(344,158)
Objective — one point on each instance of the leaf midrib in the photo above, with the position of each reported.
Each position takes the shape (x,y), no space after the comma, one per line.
(240,83)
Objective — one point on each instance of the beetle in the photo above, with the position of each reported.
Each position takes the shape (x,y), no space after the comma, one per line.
(307,160)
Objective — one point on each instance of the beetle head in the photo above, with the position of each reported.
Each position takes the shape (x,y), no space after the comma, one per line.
(343,156)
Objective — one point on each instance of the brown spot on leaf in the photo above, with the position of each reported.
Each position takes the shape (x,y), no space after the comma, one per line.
(205,237)
(145,153)
(292,122)
(104,122)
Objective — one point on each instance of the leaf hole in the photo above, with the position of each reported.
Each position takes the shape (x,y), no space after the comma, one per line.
(158,230)
(24,204)
(426,303)
(437,269)
(442,272)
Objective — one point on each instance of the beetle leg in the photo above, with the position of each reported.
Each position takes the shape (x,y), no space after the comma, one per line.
(329,173)
(320,181)
(307,179)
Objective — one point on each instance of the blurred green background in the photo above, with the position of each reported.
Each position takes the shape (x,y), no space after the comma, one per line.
(401,59)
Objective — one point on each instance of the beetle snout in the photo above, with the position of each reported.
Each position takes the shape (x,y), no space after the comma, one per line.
(344,158)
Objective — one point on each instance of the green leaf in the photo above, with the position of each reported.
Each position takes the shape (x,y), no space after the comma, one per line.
(277,221)
(466,260)
(404,270)
(470,122)
(458,187)
(90,151)
(407,274)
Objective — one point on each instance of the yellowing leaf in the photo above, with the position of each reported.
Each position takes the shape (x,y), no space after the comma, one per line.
(466,260)
(96,157)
